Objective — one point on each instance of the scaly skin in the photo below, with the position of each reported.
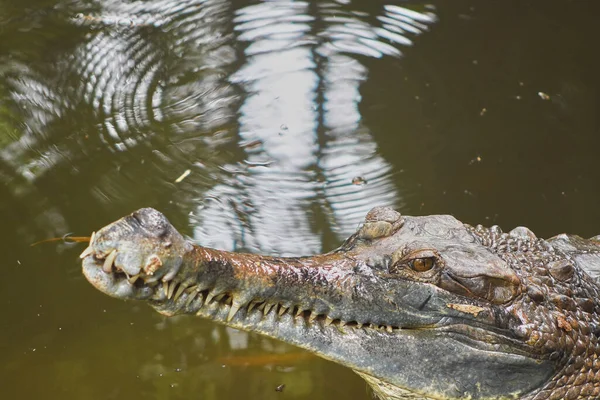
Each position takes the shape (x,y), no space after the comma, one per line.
(421,307)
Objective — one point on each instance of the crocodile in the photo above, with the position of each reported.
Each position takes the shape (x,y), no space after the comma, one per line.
(421,307)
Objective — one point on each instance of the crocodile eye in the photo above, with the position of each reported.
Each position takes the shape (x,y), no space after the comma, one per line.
(422,264)
(420,261)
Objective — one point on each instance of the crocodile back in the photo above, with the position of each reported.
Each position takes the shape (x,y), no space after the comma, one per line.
(585,252)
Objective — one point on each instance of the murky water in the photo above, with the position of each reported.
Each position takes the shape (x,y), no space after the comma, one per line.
(293,119)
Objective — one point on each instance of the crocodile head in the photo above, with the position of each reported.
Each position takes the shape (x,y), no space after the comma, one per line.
(421,307)
(143,244)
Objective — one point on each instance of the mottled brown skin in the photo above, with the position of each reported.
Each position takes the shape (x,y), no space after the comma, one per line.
(559,311)
(421,307)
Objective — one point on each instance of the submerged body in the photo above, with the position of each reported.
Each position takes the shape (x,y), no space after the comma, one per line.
(420,307)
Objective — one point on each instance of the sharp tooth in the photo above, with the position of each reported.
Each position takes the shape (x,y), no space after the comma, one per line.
(108,263)
(328,321)
(193,288)
(359,325)
(343,323)
(235,306)
(179,291)
(219,297)
(210,296)
(171,289)
(268,307)
(388,328)
(282,310)
(300,311)
(92,237)
(133,279)
(252,305)
(88,250)
(150,279)
(166,288)
(313,316)
(190,298)
(192,293)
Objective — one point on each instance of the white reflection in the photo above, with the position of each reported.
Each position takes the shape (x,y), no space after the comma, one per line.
(147,68)
(302,81)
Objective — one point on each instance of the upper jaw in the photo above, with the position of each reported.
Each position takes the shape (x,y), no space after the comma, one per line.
(127,260)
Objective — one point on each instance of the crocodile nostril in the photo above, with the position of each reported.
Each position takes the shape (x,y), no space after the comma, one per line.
(151,220)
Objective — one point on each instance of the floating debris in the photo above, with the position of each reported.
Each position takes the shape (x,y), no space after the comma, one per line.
(359,181)
(477,159)
(280,388)
(251,144)
(65,238)
(183,176)
(544,96)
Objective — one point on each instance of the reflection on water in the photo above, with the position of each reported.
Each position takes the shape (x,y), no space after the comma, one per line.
(169,80)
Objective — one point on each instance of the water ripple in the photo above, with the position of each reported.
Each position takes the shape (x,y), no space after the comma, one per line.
(302,83)
(260,103)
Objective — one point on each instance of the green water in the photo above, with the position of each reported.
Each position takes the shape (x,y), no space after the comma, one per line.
(293,119)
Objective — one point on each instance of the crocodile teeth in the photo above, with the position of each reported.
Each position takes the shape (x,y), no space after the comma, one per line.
(193,292)
(300,311)
(191,298)
(210,296)
(328,321)
(388,328)
(108,263)
(171,289)
(219,297)
(193,288)
(133,279)
(252,305)
(313,316)
(166,288)
(179,291)
(235,306)
(89,250)
(282,310)
(268,308)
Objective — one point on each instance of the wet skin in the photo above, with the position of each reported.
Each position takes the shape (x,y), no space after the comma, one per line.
(420,307)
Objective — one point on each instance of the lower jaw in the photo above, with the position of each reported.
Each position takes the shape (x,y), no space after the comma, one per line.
(333,341)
